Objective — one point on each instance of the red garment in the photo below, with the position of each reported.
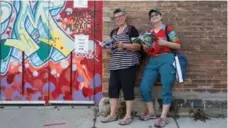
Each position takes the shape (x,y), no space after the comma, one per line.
(156,49)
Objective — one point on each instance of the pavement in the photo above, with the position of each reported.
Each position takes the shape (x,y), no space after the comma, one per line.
(183,122)
(83,117)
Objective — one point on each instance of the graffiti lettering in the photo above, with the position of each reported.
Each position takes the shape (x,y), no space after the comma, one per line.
(78,23)
(25,42)
(34,32)
(37,57)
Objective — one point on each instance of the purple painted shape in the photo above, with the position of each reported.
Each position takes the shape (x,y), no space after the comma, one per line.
(28,85)
(36,96)
(45,87)
(2,96)
(78,96)
(15,95)
(61,97)
(4,83)
(51,87)
(80,79)
(23,98)
(97,98)
(18,78)
(97,78)
(96,81)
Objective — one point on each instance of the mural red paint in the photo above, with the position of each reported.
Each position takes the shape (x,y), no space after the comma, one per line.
(38,57)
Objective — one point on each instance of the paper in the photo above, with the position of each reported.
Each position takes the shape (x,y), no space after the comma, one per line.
(80,3)
(179,72)
(81,43)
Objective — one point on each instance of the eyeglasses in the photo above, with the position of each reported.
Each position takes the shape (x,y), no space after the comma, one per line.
(152,16)
(117,17)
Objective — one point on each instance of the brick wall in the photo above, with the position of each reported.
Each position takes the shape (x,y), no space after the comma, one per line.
(202,28)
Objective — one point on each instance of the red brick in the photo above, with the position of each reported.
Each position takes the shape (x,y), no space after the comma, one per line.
(187,90)
(190,86)
(201,26)
(199,90)
(224,90)
(178,89)
(214,90)
(220,86)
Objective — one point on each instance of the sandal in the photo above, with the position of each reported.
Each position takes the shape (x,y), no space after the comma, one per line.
(146,117)
(109,119)
(126,121)
(160,123)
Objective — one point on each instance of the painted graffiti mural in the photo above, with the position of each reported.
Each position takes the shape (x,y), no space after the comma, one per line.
(39,60)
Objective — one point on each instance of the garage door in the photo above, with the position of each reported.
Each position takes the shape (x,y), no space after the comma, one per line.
(50,52)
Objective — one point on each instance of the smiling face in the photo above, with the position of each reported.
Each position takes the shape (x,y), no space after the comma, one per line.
(120,18)
(155,18)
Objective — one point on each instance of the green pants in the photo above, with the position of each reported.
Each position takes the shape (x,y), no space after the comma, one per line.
(162,66)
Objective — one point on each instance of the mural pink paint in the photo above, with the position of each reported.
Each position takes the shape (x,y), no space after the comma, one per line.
(38,60)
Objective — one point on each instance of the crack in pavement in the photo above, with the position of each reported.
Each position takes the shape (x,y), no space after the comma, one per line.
(95,117)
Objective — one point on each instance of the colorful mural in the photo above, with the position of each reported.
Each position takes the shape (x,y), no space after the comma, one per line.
(38,57)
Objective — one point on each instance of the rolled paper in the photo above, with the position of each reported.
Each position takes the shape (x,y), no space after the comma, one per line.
(178,70)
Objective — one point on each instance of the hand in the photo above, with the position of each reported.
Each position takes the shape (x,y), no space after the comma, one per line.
(109,51)
(145,47)
(119,44)
(162,42)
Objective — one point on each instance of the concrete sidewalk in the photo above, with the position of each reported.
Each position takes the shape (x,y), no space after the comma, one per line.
(183,122)
(82,117)
(135,124)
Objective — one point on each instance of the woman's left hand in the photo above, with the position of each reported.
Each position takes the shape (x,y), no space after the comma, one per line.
(119,44)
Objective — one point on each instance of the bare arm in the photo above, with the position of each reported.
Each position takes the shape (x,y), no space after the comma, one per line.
(131,47)
(171,45)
